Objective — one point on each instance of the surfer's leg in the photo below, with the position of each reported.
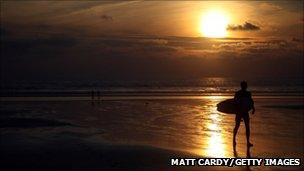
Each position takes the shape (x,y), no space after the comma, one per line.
(246,120)
(236,128)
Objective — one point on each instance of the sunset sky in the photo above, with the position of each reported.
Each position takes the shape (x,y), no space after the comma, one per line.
(150,40)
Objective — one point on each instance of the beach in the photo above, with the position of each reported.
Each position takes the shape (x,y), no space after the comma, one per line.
(142,132)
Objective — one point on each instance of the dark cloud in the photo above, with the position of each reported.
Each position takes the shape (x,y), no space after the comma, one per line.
(4,32)
(297,39)
(29,47)
(245,27)
(106,17)
(144,57)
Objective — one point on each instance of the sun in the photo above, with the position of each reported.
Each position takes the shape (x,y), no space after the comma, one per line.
(214,24)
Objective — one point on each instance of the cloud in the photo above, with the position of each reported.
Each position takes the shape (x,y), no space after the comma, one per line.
(245,27)
(46,46)
(106,17)
(297,39)
(270,7)
(3,32)
(146,56)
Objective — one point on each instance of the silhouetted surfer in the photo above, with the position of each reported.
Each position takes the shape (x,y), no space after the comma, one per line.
(244,104)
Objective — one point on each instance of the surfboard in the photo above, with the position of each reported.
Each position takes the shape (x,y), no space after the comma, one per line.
(227,106)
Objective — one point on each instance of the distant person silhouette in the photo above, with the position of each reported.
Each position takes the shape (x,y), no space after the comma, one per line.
(92,95)
(98,96)
(244,103)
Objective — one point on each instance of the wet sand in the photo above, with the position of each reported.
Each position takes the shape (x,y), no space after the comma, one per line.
(67,152)
(142,134)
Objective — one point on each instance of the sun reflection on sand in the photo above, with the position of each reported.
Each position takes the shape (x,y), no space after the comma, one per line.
(215,146)
(215,143)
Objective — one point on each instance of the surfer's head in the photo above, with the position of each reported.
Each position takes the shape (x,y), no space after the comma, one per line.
(244,85)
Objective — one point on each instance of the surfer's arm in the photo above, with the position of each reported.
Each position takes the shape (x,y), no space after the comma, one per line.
(252,103)
(235,97)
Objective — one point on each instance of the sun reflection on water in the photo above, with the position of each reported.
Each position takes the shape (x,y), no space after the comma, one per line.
(215,146)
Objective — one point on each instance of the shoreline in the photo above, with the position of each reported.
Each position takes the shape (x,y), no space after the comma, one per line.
(138,92)
(137,97)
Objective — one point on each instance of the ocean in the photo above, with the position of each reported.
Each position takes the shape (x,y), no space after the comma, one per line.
(203,86)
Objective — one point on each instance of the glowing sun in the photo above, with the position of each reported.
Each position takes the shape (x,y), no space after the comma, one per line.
(214,24)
